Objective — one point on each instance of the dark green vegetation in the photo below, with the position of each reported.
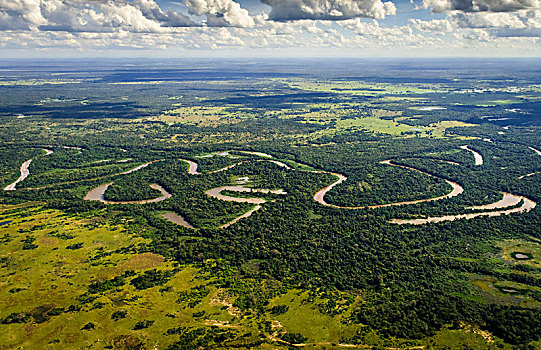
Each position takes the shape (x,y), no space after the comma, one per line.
(124,190)
(294,271)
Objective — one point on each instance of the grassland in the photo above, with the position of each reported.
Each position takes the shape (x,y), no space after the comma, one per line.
(361,88)
(54,275)
(532,248)
(122,277)
(200,116)
(47,281)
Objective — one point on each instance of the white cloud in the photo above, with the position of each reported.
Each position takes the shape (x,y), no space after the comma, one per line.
(20,14)
(374,29)
(141,26)
(220,13)
(152,11)
(111,16)
(290,10)
(521,23)
(435,25)
(440,6)
(488,20)
(107,16)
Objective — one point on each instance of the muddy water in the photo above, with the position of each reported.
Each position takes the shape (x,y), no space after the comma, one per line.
(319,196)
(535,150)
(193,165)
(521,256)
(216,193)
(527,206)
(259,154)
(139,167)
(97,194)
(96,178)
(220,154)
(528,175)
(224,168)
(434,108)
(177,219)
(192,170)
(449,162)
(478,157)
(245,215)
(508,200)
(537,172)
(282,164)
(24,172)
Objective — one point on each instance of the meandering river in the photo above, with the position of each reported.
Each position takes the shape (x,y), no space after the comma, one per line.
(478,157)
(506,204)
(508,200)
(139,167)
(319,196)
(98,193)
(535,150)
(24,172)
(177,219)
(216,193)
(525,207)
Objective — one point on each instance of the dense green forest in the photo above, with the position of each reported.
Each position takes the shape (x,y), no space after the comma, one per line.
(273,256)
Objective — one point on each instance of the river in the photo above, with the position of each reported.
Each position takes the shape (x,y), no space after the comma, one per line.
(319,196)
(525,207)
(24,172)
(478,157)
(98,193)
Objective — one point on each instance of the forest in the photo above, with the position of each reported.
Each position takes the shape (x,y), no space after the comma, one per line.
(260,210)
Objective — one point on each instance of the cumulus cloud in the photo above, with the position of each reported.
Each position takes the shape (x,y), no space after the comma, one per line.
(103,16)
(152,11)
(72,16)
(374,29)
(299,27)
(488,20)
(520,23)
(20,14)
(220,13)
(290,10)
(441,6)
(435,25)
(517,32)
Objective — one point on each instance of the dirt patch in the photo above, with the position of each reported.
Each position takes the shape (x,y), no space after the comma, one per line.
(47,241)
(141,262)
(222,297)
(40,313)
(128,342)
(222,324)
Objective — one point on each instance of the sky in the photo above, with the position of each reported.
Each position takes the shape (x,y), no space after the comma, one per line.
(270,28)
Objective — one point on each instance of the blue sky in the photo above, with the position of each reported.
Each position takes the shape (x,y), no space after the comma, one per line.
(263,28)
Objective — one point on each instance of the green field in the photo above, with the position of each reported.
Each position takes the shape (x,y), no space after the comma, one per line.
(344,256)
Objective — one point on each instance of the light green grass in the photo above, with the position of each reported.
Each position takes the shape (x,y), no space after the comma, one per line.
(304,318)
(56,276)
